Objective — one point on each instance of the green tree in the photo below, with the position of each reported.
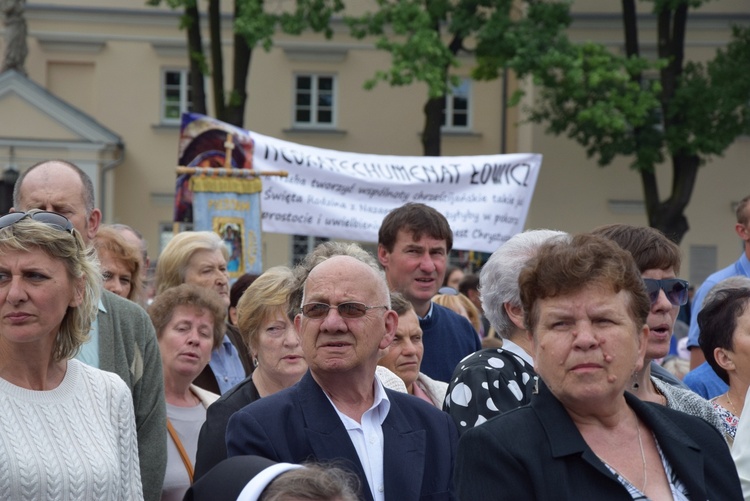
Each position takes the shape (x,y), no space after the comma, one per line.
(253,27)
(424,38)
(661,114)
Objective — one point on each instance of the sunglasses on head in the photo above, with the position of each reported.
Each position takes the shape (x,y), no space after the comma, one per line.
(352,309)
(675,289)
(52,219)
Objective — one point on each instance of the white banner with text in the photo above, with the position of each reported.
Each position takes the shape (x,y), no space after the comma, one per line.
(343,195)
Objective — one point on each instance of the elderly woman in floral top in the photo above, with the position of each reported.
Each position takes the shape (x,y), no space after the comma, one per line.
(725,340)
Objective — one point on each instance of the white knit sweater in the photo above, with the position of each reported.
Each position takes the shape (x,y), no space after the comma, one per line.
(76,442)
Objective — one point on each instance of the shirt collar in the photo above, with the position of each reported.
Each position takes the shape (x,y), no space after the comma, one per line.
(380,406)
(512,347)
(429,313)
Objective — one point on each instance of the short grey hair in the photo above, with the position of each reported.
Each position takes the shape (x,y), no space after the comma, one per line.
(498,280)
(734,282)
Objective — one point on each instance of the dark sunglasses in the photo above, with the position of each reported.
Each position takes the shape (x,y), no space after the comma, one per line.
(351,309)
(675,289)
(53,219)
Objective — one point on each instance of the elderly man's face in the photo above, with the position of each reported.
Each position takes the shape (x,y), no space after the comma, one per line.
(58,188)
(335,343)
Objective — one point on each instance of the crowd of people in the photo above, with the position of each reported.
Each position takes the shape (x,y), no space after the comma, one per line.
(354,376)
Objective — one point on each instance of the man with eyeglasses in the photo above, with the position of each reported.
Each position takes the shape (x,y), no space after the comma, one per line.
(122,338)
(400,447)
(413,245)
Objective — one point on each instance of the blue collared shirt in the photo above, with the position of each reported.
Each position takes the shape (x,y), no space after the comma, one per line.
(227,366)
(739,267)
(428,315)
(89,352)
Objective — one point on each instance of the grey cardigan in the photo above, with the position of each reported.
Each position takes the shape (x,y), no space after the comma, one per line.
(689,402)
(128,347)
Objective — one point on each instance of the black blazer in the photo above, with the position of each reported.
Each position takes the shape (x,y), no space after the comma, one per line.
(537,453)
(299,424)
(212,445)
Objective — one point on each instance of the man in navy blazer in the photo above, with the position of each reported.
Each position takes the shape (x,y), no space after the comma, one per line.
(399,446)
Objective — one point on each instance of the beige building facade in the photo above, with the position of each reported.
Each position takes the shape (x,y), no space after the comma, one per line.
(107,78)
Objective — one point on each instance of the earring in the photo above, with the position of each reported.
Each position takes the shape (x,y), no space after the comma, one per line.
(636,385)
(255,361)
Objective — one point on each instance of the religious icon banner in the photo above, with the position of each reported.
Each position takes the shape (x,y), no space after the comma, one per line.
(233,215)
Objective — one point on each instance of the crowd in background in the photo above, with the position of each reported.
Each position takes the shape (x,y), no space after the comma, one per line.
(567,367)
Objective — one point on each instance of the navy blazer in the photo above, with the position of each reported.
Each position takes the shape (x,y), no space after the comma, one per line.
(300,424)
(537,453)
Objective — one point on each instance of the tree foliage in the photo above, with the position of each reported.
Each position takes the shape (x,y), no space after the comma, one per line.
(424,38)
(254,26)
(654,112)
(668,111)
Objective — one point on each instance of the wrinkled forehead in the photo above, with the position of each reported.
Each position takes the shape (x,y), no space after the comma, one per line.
(53,186)
(347,278)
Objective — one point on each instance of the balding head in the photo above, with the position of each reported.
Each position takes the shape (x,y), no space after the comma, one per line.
(373,279)
(61,187)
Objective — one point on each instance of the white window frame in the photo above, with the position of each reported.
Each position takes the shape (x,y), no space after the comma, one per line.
(314,106)
(449,113)
(184,93)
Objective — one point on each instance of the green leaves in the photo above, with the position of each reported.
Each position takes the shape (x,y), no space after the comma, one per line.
(422,36)
(611,104)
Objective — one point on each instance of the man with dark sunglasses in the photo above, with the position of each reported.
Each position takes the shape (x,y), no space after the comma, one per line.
(399,446)
(122,339)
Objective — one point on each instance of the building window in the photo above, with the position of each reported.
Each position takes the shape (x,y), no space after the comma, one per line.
(176,95)
(456,112)
(314,100)
(302,245)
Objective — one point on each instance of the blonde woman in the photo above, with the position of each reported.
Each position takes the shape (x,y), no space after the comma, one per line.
(200,258)
(67,430)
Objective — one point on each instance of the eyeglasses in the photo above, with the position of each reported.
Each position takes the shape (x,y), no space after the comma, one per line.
(675,289)
(53,219)
(448,291)
(352,309)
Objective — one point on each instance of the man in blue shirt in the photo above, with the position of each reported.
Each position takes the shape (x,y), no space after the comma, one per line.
(740,267)
(413,245)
